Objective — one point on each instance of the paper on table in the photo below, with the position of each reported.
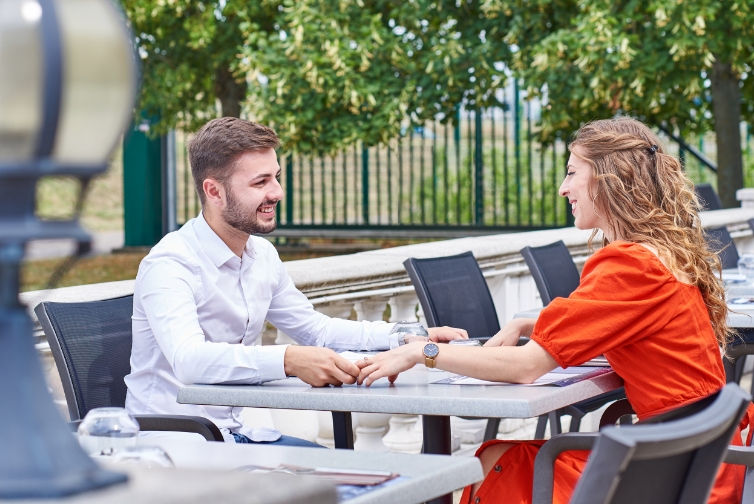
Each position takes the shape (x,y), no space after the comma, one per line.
(559,377)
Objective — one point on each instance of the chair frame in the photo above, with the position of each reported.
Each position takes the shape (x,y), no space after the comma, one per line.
(683,428)
(179,423)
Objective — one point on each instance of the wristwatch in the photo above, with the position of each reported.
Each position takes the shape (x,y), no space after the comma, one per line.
(430,354)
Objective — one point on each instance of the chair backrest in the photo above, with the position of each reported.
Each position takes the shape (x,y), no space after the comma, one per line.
(708,197)
(453,292)
(672,461)
(553,270)
(720,241)
(91,345)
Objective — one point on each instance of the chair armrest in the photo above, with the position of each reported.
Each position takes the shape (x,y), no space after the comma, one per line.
(544,464)
(741,455)
(180,423)
(616,410)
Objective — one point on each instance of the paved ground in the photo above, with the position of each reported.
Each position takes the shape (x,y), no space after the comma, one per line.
(104,243)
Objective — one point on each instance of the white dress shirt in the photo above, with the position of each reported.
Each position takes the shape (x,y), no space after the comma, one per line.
(198,312)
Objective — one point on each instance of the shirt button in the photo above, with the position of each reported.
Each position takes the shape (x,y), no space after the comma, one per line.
(498,468)
(477,500)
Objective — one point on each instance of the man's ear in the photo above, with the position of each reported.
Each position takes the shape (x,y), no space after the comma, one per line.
(214,192)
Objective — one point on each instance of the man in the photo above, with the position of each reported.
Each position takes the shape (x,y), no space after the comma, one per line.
(203,293)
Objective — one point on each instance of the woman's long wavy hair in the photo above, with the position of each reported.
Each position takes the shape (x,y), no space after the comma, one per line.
(644,195)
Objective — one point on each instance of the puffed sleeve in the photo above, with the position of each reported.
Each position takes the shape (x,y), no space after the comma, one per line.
(623,297)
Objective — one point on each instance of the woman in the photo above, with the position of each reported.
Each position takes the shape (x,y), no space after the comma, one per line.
(648,300)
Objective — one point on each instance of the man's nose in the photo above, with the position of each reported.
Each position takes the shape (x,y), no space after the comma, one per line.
(277,191)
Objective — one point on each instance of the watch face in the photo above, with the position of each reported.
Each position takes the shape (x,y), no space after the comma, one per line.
(431,350)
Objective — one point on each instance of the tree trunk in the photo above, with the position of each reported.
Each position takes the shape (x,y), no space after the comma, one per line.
(726,107)
(230,92)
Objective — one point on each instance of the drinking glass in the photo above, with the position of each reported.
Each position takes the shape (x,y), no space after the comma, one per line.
(105,430)
(746,267)
(407,332)
(143,456)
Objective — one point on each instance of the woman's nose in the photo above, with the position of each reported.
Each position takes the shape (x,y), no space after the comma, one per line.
(563,190)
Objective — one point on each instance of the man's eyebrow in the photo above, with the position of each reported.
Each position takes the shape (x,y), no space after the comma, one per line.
(265,175)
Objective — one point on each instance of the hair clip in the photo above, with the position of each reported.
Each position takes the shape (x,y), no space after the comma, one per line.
(653,149)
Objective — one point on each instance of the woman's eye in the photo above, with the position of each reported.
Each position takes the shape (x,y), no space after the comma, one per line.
(570,173)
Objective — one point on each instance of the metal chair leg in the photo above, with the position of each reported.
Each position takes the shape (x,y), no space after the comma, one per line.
(490,433)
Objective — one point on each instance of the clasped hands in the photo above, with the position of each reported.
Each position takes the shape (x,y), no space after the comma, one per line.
(320,367)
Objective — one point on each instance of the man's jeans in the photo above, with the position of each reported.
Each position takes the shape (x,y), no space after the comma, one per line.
(283,441)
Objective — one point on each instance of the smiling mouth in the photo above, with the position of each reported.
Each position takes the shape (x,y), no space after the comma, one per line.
(267,208)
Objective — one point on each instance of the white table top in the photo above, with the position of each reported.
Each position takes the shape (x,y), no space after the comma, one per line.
(429,476)
(411,394)
(191,486)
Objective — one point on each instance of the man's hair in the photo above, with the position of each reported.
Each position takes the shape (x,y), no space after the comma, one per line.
(216,147)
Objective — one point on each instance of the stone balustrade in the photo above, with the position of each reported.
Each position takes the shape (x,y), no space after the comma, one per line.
(366,284)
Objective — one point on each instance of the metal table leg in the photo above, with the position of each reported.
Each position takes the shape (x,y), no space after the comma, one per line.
(437,441)
(342,429)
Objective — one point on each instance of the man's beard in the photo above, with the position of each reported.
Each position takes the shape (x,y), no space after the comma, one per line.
(239,217)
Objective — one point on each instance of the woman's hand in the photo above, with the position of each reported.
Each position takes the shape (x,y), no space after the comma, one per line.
(511,332)
(390,363)
(445,334)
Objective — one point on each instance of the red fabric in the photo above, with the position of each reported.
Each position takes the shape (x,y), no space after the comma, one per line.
(656,334)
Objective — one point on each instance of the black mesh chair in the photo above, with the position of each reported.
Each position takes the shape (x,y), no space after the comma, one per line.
(553,270)
(720,241)
(672,458)
(453,292)
(91,345)
(708,197)
(556,275)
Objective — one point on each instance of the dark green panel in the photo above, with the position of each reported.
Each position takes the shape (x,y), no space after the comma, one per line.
(142,189)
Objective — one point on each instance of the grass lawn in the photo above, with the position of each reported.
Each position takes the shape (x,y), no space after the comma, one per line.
(102,268)
(97,269)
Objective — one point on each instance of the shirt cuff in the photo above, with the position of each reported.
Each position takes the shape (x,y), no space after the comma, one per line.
(379,338)
(271,362)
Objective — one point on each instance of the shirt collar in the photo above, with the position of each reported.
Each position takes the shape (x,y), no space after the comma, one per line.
(215,248)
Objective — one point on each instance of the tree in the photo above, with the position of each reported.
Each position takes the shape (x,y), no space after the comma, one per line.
(687,64)
(341,71)
(189,52)
(325,73)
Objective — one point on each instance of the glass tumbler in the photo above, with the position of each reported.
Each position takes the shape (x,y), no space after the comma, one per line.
(143,456)
(407,332)
(106,430)
(746,267)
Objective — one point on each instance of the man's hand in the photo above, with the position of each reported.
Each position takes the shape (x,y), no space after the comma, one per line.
(511,332)
(319,366)
(445,334)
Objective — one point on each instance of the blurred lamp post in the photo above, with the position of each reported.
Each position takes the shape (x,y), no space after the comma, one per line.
(67,88)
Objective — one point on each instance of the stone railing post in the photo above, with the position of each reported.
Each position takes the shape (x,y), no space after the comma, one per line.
(403,436)
(372,426)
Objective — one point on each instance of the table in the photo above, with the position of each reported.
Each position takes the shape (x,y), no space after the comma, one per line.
(428,475)
(411,394)
(190,486)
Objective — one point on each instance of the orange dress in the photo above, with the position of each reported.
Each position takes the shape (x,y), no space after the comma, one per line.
(656,334)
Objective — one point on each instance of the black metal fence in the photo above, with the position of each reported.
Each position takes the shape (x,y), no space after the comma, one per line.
(485,170)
